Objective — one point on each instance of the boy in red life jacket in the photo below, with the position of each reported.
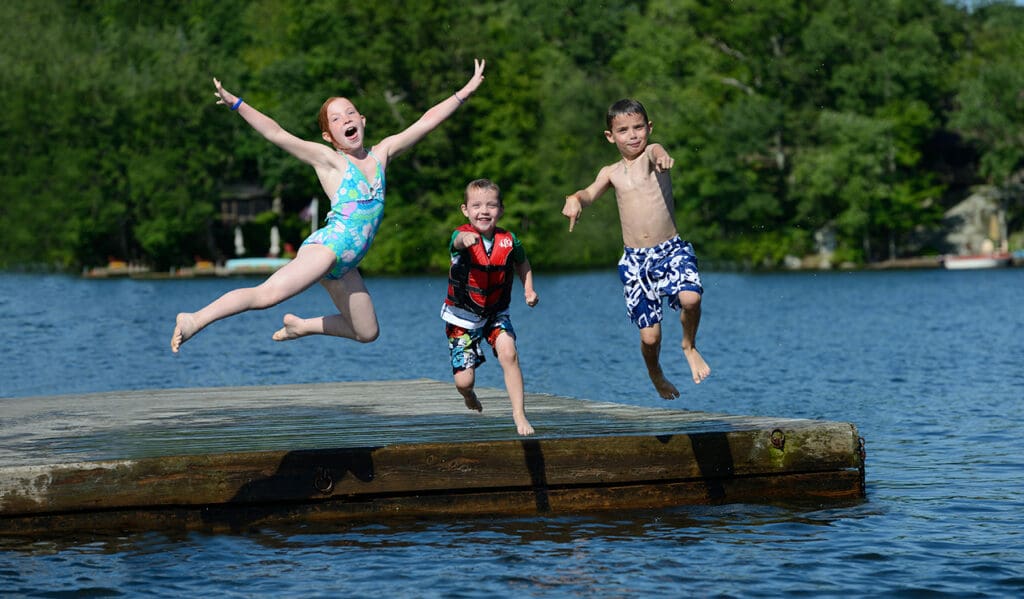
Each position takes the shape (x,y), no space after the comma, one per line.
(484,260)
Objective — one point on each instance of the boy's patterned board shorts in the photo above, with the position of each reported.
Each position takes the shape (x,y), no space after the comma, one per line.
(648,274)
(464,345)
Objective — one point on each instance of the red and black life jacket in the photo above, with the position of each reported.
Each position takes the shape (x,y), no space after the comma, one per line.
(482,282)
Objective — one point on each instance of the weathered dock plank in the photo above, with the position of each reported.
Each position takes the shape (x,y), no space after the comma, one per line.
(227,457)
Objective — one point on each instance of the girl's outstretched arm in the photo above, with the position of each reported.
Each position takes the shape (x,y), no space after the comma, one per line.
(315,154)
(394,145)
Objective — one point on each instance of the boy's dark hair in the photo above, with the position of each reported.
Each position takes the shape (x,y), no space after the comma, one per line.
(625,106)
(484,184)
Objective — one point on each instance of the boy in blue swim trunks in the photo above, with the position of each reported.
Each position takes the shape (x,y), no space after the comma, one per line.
(656,263)
(353,177)
(484,259)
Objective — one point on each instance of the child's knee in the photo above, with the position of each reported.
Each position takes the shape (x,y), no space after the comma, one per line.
(261,297)
(505,348)
(689,300)
(508,358)
(650,336)
(464,379)
(368,333)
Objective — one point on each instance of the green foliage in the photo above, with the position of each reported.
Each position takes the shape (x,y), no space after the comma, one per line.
(990,94)
(783,117)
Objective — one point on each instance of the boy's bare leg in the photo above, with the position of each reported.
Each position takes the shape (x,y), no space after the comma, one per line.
(356,318)
(505,345)
(650,348)
(464,380)
(689,316)
(309,266)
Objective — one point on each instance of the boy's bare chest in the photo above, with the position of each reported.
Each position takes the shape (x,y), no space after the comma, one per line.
(625,178)
(642,191)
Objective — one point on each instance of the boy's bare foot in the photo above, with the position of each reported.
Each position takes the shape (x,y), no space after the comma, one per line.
(184,328)
(664,387)
(698,367)
(522,425)
(292,329)
(472,402)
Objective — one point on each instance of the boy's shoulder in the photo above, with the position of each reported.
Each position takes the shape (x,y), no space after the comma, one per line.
(609,170)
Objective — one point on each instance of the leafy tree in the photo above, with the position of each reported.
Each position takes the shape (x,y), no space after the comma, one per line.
(990,95)
(882,64)
(784,118)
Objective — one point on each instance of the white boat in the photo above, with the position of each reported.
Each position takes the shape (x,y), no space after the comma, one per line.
(253,266)
(977,261)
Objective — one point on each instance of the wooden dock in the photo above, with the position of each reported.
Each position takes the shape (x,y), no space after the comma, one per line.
(232,457)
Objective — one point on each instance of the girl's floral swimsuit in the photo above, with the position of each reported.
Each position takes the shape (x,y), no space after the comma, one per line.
(352,223)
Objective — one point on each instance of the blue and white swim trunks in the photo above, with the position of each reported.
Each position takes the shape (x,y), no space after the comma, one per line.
(648,274)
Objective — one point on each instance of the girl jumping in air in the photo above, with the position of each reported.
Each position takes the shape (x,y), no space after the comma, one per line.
(353,177)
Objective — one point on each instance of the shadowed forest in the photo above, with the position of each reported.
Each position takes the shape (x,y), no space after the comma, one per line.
(786,118)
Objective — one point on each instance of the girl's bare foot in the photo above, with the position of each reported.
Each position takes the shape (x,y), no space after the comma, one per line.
(293,328)
(698,367)
(184,328)
(522,425)
(472,402)
(663,386)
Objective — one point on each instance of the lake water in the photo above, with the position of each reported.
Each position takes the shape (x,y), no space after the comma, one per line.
(928,364)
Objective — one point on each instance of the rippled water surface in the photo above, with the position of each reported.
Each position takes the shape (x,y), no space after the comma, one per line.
(929,365)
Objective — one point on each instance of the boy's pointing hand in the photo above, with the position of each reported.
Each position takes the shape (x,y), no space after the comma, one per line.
(572,210)
(663,163)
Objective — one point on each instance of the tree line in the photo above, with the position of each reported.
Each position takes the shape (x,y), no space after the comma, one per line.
(785,118)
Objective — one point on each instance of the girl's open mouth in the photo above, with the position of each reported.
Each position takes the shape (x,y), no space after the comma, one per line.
(349,132)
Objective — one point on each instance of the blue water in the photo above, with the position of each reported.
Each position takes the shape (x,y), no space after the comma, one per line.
(928,364)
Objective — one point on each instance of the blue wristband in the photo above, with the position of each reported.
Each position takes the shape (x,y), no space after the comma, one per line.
(238,103)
